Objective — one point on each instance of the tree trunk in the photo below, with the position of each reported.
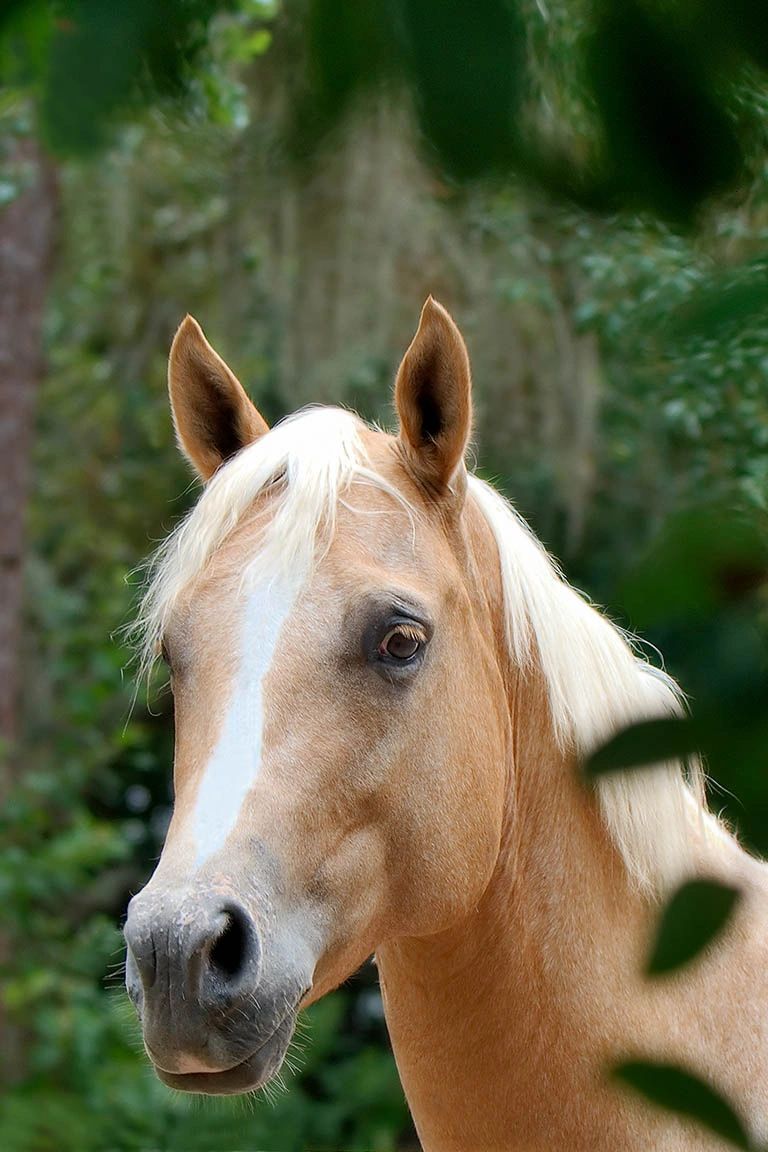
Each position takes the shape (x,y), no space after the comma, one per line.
(26,243)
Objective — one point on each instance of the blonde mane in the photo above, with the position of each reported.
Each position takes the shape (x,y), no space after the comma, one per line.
(596,684)
(306,462)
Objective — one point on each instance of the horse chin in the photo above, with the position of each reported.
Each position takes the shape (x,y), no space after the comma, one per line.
(249,1075)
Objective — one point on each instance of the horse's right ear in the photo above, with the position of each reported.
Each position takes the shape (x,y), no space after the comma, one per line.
(212,415)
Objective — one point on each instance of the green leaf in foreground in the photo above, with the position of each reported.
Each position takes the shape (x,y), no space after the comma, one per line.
(649,742)
(692,918)
(681,1092)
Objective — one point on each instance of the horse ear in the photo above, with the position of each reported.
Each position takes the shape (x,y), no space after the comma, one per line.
(212,415)
(433,398)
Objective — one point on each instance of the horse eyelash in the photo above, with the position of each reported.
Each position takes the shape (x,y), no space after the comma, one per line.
(412,631)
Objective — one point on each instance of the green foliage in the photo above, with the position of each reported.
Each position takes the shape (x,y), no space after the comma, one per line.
(703,560)
(649,742)
(91,66)
(111,1100)
(692,918)
(91,61)
(338,39)
(467,66)
(141,232)
(703,580)
(667,139)
(661,82)
(701,589)
(155,227)
(680,1091)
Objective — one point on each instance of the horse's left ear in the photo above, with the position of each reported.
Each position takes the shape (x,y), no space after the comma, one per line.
(433,399)
(212,414)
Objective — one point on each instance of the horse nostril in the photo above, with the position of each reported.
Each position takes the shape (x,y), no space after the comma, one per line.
(204,950)
(234,954)
(229,950)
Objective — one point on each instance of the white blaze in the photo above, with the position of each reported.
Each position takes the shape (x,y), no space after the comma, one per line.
(236,760)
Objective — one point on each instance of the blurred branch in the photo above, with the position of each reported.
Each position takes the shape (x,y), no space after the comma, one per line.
(27,228)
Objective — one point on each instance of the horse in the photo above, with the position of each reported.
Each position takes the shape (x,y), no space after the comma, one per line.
(383,690)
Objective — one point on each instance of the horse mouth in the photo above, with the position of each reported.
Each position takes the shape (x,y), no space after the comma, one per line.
(247,1076)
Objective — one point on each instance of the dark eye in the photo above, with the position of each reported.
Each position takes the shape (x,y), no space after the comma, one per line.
(401,644)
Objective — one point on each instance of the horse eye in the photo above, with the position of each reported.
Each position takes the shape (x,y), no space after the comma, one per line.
(400,644)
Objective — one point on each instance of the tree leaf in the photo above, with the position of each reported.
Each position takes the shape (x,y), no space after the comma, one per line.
(668,141)
(648,742)
(703,559)
(679,1091)
(697,912)
(467,66)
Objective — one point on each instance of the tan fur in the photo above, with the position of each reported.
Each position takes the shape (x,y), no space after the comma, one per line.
(505,1026)
(433,399)
(444,824)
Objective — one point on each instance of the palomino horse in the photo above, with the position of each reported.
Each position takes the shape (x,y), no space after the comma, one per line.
(383,687)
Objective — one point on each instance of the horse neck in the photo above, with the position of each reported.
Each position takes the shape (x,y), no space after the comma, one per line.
(491,1019)
(503,1025)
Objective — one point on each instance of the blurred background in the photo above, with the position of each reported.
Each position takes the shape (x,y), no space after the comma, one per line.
(583,184)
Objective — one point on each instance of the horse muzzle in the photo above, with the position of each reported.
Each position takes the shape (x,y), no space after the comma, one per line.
(213,1019)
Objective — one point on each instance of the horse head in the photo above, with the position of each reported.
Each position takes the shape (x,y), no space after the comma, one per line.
(331,616)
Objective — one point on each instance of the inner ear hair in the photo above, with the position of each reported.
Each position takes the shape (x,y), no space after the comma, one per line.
(220,422)
(213,416)
(430,420)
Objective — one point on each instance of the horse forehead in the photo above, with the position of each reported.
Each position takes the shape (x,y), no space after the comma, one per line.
(389,525)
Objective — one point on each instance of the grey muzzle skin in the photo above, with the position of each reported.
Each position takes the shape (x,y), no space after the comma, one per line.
(198,971)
